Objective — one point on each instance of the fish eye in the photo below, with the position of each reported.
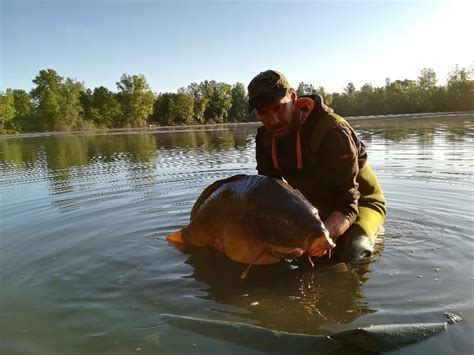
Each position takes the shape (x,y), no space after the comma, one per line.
(285,221)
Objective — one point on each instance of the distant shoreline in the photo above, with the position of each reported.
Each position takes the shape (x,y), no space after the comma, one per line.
(216,126)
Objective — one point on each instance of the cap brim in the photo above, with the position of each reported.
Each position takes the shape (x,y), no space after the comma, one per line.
(263,99)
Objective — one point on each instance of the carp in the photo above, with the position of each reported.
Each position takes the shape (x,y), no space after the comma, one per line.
(254,219)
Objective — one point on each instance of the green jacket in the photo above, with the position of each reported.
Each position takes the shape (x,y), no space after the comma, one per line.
(335,174)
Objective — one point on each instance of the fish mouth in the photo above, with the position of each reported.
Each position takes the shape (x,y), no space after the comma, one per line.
(292,253)
(320,242)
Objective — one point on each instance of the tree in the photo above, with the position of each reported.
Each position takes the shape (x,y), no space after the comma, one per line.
(23,105)
(104,108)
(86,102)
(136,100)
(45,96)
(427,90)
(70,104)
(201,94)
(220,102)
(239,109)
(182,108)
(57,101)
(305,89)
(363,100)
(173,109)
(327,97)
(427,79)
(7,107)
(23,120)
(460,89)
(212,100)
(350,89)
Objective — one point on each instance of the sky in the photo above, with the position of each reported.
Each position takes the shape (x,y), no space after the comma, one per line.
(175,43)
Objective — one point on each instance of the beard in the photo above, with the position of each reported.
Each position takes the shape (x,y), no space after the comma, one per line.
(288,126)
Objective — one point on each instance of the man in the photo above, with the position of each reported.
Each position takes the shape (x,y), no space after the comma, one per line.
(317,152)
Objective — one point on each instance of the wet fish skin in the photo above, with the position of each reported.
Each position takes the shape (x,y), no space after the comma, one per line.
(244,214)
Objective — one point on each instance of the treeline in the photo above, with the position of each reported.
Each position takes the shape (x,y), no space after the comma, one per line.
(60,104)
(403,96)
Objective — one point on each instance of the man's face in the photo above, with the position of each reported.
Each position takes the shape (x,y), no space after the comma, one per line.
(279,118)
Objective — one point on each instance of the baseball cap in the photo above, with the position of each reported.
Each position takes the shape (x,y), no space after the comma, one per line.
(267,86)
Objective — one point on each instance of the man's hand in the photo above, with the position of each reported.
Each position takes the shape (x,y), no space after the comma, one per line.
(336,224)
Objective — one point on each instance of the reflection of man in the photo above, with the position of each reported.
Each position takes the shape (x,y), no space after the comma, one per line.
(319,153)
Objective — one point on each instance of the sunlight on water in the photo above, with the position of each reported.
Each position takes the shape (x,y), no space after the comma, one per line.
(85,267)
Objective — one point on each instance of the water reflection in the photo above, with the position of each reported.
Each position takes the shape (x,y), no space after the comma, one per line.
(65,151)
(423,130)
(79,162)
(84,218)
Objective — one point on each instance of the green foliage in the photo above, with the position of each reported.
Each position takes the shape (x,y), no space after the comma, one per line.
(23,105)
(24,118)
(461,89)
(350,89)
(408,96)
(200,95)
(56,103)
(212,100)
(239,109)
(327,97)
(172,109)
(102,107)
(7,108)
(305,89)
(136,100)
(220,102)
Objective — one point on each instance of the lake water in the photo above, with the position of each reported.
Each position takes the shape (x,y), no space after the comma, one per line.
(85,267)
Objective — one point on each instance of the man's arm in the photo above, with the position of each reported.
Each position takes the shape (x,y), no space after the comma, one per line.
(343,151)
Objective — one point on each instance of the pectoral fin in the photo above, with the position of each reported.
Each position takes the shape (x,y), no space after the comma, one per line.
(247,269)
(176,239)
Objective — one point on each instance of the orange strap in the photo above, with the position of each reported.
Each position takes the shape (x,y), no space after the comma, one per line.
(306,105)
(299,156)
(274,155)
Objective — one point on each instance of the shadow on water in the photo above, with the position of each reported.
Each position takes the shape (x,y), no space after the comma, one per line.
(286,296)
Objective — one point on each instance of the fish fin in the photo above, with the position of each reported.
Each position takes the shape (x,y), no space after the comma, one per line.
(176,239)
(244,274)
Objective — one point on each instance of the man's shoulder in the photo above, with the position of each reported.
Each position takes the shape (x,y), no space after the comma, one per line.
(326,126)
(262,132)
(264,137)
(336,119)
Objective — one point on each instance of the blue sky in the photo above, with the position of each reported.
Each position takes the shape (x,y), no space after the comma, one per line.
(326,43)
